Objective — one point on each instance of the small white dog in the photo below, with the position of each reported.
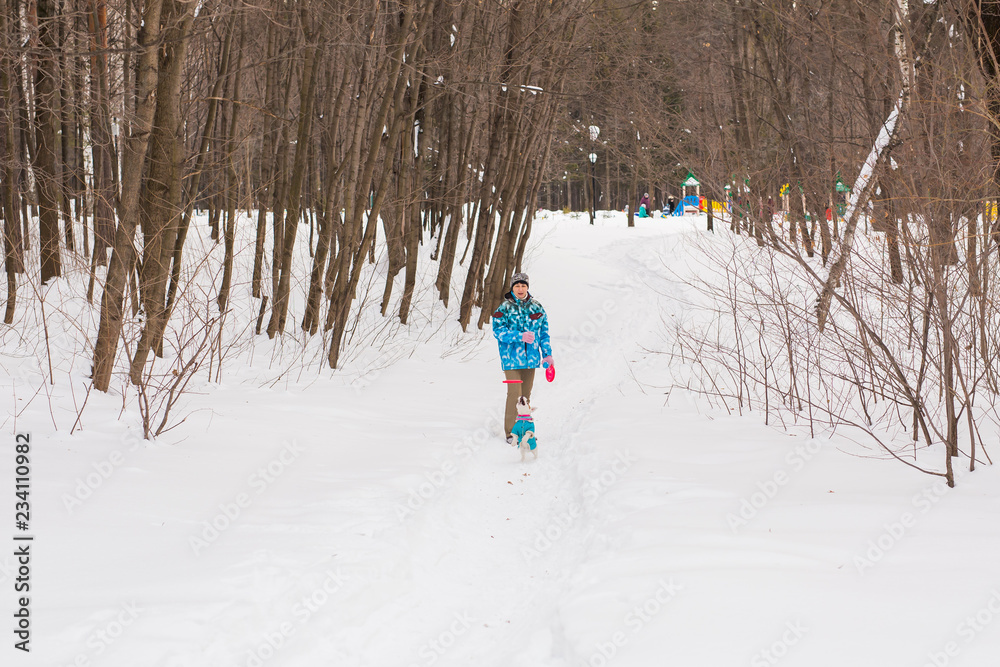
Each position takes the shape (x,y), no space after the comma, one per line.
(524,429)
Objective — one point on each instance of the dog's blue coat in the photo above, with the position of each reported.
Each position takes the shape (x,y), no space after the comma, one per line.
(522,426)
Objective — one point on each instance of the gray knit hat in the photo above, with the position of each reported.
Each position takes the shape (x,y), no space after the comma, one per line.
(519,278)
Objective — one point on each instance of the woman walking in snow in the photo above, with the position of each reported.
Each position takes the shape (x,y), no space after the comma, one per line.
(521,328)
(644,206)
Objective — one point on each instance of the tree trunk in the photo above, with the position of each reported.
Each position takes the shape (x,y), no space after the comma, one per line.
(632,190)
(46,167)
(394,214)
(279,309)
(231,181)
(68,109)
(161,197)
(266,176)
(10,158)
(203,149)
(344,290)
(102,147)
(123,255)
(412,223)
(456,207)
(329,217)
(487,194)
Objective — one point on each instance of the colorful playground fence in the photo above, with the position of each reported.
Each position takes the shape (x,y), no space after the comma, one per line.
(717,206)
(693,202)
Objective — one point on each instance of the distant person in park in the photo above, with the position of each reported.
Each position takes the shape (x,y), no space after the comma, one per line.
(671,204)
(521,328)
(644,206)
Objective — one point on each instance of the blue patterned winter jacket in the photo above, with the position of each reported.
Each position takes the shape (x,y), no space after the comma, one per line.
(513,318)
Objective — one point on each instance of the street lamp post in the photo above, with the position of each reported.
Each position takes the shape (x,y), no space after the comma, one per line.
(595,133)
(729,205)
(593,186)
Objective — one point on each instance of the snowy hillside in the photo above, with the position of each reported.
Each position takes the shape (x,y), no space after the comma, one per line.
(374,515)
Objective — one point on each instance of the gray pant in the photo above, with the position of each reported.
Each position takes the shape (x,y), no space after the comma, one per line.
(514,391)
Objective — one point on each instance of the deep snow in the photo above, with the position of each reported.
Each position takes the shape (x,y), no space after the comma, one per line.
(374,516)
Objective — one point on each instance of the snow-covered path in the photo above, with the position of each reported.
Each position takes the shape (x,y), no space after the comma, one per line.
(493,552)
(385,522)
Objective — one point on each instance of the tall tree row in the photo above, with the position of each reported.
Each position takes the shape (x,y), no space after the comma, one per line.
(350,129)
(792,102)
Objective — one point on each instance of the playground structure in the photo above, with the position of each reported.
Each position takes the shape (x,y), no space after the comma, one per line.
(689,201)
(693,203)
(779,214)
